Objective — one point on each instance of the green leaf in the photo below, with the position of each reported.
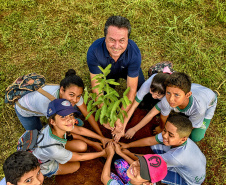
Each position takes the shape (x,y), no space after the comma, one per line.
(97,103)
(113,112)
(93,96)
(124,113)
(89,105)
(101,85)
(86,96)
(126,91)
(121,117)
(98,76)
(101,69)
(128,102)
(95,87)
(124,103)
(107,89)
(114,83)
(90,113)
(97,115)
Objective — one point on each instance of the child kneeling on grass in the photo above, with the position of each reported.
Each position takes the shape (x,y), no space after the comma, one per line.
(22,168)
(64,158)
(195,101)
(145,170)
(185,162)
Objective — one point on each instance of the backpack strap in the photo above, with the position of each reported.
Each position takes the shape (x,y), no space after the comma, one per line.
(44,93)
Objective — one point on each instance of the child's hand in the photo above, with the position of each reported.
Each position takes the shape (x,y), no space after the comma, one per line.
(157,130)
(124,145)
(107,126)
(118,127)
(105,140)
(130,133)
(110,150)
(118,136)
(117,148)
(97,146)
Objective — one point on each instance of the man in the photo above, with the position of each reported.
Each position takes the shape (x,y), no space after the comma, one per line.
(117,49)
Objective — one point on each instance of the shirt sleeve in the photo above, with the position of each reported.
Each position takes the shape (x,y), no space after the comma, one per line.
(135,60)
(163,106)
(144,89)
(112,182)
(80,102)
(60,154)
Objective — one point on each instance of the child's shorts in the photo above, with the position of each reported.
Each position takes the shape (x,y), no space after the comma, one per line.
(50,168)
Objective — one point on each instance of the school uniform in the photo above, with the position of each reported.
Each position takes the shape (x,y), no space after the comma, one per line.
(51,157)
(186,164)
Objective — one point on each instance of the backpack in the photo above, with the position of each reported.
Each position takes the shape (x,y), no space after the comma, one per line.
(24,85)
(159,67)
(30,140)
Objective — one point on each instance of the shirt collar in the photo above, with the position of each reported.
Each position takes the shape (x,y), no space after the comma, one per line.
(188,106)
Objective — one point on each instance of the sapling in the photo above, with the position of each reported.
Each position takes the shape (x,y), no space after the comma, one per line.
(108,100)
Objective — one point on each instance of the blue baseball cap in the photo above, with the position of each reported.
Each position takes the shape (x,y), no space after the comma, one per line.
(61,107)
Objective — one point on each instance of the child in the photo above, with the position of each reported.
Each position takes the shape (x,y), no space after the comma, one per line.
(185,162)
(22,168)
(146,169)
(195,101)
(64,159)
(70,88)
(151,92)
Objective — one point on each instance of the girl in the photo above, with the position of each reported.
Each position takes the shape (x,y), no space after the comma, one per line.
(63,156)
(70,88)
(151,90)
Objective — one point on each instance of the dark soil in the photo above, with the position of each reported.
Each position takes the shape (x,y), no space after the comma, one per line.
(90,171)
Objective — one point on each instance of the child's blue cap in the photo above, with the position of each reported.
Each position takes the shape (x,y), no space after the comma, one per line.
(61,107)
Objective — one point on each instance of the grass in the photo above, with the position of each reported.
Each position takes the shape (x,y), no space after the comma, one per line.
(49,37)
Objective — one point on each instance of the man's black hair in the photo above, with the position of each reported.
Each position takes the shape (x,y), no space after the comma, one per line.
(117,21)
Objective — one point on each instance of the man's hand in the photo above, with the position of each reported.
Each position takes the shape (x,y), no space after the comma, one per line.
(130,133)
(157,130)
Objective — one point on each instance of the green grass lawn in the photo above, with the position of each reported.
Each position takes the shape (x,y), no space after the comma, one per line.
(51,36)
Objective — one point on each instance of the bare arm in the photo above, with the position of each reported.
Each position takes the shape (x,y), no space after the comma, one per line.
(91,119)
(122,154)
(86,156)
(106,173)
(142,123)
(132,83)
(148,141)
(86,132)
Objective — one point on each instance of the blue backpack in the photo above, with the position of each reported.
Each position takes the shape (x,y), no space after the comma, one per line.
(30,140)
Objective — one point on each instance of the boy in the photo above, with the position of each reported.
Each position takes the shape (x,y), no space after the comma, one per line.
(22,168)
(185,162)
(195,101)
(63,156)
(146,169)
